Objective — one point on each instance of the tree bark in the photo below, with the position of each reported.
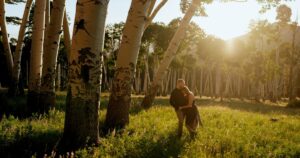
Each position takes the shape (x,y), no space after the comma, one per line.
(52,40)
(83,99)
(47,15)
(67,38)
(146,74)
(292,64)
(151,15)
(137,81)
(36,56)
(218,81)
(5,40)
(275,93)
(58,77)
(169,55)
(119,102)
(201,83)
(18,52)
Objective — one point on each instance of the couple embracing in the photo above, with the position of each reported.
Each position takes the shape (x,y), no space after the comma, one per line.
(183,100)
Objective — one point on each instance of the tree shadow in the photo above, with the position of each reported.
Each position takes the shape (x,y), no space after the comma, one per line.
(248,106)
(170,146)
(29,144)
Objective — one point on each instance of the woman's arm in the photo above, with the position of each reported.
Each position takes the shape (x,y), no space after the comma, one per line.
(190,101)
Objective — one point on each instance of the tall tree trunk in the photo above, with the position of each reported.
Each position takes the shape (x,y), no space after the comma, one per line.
(201,83)
(211,88)
(47,15)
(166,89)
(193,80)
(275,93)
(66,30)
(292,64)
(58,77)
(5,40)
(218,82)
(206,84)
(239,86)
(146,74)
(52,40)
(119,102)
(18,52)
(227,85)
(83,98)
(36,56)
(137,81)
(169,54)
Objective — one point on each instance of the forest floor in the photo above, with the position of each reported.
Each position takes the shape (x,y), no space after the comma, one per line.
(232,128)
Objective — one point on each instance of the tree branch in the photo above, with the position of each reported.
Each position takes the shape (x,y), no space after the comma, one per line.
(155,11)
(150,9)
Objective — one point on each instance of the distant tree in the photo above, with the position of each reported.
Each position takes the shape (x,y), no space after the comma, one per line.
(170,53)
(283,13)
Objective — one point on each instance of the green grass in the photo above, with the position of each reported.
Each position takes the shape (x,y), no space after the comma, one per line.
(231,129)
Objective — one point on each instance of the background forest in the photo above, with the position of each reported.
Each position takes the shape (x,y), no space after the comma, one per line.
(52,85)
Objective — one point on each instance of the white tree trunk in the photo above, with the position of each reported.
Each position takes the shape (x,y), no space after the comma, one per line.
(120,98)
(18,52)
(83,100)
(218,81)
(36,55)
(201,82)
(137,81)
(47,15)
(67,38)
(146,74)
(52,41)
(5,40)
(58,77)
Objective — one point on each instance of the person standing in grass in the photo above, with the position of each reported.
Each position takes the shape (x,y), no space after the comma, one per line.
(177,99)
(190,111)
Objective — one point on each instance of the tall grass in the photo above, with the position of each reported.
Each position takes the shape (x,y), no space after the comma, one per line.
(231,129)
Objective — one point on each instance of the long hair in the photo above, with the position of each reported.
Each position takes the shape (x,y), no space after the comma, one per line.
(186,90)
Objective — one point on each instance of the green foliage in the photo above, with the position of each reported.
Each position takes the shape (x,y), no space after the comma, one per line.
(14,1)
(14,20)
(231,129)
(283,13)
(185,4)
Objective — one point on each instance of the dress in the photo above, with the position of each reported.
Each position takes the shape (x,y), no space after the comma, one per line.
(192,116)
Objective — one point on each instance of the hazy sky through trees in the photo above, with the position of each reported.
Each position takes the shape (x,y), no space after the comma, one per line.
(225,20)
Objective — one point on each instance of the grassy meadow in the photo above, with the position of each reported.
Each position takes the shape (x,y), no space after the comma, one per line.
(232,128)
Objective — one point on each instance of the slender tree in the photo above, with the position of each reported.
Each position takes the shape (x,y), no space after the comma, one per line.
(169,54)
(66,30)
(119,102)
(52,40)
(36,56)
(5,40)
(83,98)
(18,52)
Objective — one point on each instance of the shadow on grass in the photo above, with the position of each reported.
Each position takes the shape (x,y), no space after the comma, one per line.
(29,144)
(262,108)
(166,147)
